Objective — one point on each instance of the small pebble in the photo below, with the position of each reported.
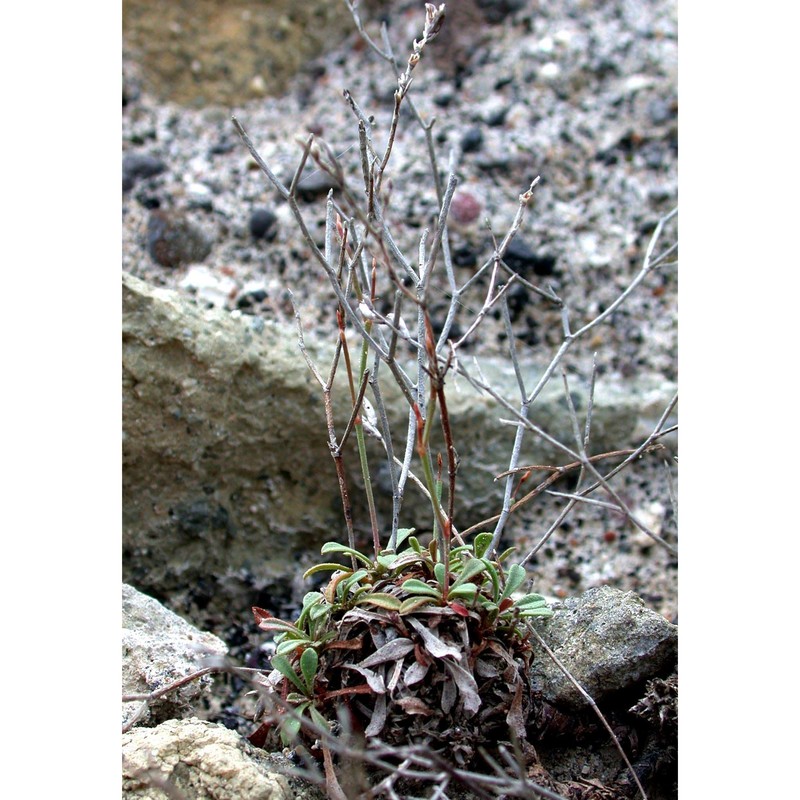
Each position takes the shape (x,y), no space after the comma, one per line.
(316,184)
(550,70)
(263,224)
(472,140)
(139,165)
(464,207)
(521,258)
(172,240)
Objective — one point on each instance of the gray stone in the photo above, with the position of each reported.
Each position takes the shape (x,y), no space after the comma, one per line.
(159,647)
(196,760)
(225,463)
(226,469)
(173,240)
(609,640)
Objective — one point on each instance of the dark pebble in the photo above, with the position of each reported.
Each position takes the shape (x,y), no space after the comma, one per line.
(139,165)
(315,185)
(221,148)
(472,140)
(653,154)
(495,11)
(444,99)
(465,256)
(517,298)
(263,224)
(173,241)
(497,118)
(660,111)
(522,259)
(248,299)
(493,162)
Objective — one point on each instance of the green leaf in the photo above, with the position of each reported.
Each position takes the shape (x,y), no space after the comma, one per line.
(279,626)
(514,578)
(414,586)
(412,604)
(284,666)
(290,728)
(466,591)
(290,645)
(481,544)
(386,561)
(319,612)
(379,599)
(505,554)
(319,719)
(311,601)
(403,534)
(469,570)
(415,545)
(345,586)
(328,565)
(536,611)
(335,547)
(309,662)
(530,600)
(490,568)
(439,572)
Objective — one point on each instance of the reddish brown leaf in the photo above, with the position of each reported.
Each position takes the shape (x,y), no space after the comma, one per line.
(413,705)
(459,608)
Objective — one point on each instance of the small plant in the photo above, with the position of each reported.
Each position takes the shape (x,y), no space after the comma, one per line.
(412,649)
(418,639)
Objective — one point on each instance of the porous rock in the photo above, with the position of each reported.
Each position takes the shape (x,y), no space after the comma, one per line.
(198,760)
(609,641)
(226,466)
(159,647)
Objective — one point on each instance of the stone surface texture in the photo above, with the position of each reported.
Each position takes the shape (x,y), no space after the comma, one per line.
(197,760)
(159,647)
(226,467)
(610,642)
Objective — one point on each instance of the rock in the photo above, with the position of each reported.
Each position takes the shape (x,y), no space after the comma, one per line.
(199,196)
(226,466)
(316,183)
(226,470)
(609,640)
(465,208)
(472,140)
(263,224)
(139,165)
(172,240)
(208,286)
(197,760)
(159,647)
(521,258)
(496,11)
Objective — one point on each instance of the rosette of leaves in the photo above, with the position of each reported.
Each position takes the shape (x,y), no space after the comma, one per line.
(416,648)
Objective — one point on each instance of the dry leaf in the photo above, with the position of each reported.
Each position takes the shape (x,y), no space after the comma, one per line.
(391,651)
(433,644)
(466,685)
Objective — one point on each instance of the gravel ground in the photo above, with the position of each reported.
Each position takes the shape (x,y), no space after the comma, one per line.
(582,95)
